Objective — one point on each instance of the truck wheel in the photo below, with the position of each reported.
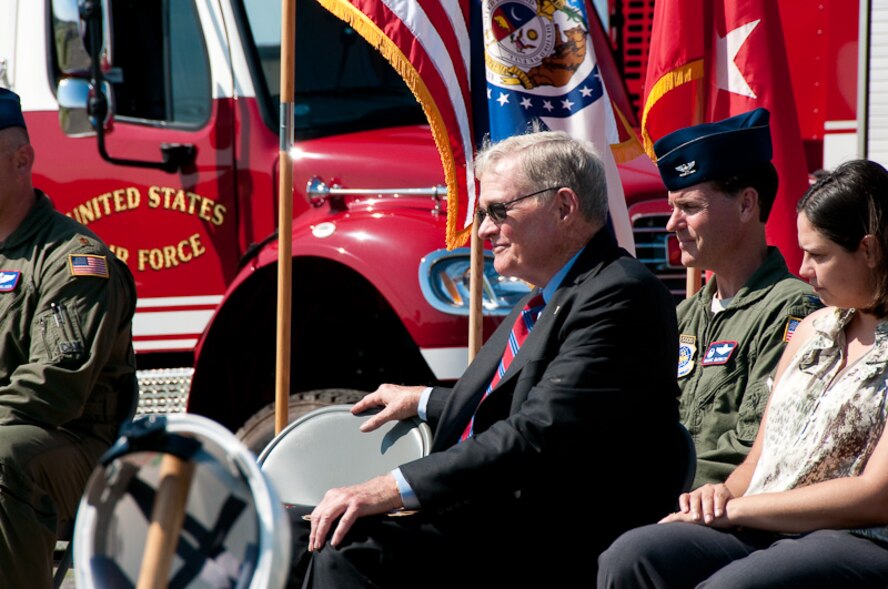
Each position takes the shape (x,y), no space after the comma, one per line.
(258,431)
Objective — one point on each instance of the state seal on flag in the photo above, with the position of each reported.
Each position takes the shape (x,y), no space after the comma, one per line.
(534,43)
(520,35)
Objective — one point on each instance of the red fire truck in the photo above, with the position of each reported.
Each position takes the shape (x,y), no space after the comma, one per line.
(185,193)
(186,189)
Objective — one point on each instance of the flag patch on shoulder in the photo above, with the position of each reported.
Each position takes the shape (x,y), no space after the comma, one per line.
(88,265)
(791,325)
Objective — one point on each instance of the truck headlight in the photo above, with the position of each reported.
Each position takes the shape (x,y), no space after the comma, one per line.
(444,280)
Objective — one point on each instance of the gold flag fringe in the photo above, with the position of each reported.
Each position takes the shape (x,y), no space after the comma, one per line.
(669,81)
(629,149)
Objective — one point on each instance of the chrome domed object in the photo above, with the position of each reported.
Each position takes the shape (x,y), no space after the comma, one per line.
(235,532)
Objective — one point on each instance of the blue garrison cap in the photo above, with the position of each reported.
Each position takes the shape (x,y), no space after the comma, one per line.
(714,151)
(10,110)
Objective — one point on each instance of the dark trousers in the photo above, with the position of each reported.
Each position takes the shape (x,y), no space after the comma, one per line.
(462,550)
(678,555)
(42,476)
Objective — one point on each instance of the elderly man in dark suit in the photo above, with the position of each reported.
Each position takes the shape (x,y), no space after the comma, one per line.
(550,433)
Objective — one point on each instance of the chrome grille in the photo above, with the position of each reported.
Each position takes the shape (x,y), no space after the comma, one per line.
(163,390)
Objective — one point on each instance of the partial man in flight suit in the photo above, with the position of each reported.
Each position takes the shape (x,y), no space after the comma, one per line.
(722,185)
(67,368)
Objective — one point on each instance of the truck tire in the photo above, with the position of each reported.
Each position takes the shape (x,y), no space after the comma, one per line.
(258,430)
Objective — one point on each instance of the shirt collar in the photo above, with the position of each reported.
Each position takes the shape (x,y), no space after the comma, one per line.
(555,282)
(772,270)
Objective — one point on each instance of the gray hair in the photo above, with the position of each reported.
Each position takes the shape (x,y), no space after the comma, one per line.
(550,159)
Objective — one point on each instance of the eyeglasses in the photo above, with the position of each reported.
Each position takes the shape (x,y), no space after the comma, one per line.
(497,211)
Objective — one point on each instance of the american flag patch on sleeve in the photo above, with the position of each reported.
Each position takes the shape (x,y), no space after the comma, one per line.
(791,325)
(88,265)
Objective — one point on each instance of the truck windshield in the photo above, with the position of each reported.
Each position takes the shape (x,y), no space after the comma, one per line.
(342,83)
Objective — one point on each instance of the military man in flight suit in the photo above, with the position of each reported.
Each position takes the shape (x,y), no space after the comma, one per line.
(732,332)
(67,368)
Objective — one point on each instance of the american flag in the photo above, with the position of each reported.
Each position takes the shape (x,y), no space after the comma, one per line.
(427,42)
(88,265)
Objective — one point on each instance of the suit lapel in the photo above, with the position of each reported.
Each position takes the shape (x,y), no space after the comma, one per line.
(470,388)
(467,393)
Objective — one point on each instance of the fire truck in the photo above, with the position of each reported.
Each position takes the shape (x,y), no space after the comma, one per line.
(181,182)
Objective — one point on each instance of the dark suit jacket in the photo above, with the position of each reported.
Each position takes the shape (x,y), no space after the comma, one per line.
(591,395)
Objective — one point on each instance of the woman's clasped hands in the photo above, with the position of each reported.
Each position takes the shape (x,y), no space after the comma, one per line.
(707,505)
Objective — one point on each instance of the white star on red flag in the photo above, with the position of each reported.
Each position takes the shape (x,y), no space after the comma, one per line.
(728,75)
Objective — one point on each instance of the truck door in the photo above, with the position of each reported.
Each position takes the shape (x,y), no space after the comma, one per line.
(171,84)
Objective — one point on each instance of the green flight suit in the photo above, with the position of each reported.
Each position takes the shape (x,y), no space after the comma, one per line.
(67,369)
(726,359)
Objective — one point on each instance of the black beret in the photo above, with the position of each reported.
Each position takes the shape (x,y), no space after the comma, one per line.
(10,110)
(714,151)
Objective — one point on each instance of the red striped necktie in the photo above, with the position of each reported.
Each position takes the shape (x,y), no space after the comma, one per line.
(522,328)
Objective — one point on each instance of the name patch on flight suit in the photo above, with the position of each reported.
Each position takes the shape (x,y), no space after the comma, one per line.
(791,325)
(718,353)
(9,279)
(687,351)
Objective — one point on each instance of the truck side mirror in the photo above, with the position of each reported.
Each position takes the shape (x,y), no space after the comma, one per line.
(80,33)
(74,96)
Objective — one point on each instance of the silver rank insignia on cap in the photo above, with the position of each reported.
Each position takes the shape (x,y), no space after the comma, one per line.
(686,169)
(687,350)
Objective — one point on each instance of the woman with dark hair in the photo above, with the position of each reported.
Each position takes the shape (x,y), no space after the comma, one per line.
(809,506)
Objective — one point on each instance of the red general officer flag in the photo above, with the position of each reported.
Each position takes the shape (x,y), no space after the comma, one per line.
(710,60)
(427,42)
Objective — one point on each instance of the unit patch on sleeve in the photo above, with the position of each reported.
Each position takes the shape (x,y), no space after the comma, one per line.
(687,351)
(718,353)
(791,325)
(88,265)
(9,279)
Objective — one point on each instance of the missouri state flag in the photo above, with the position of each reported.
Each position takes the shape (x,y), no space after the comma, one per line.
(540,65)
(713,59)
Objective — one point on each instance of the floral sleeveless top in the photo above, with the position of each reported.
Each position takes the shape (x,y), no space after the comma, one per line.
(823,425)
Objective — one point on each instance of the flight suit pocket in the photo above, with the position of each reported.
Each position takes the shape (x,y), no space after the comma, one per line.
(724,381)
(62,334)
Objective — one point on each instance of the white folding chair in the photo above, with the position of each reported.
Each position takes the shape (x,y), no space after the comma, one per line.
(326,449)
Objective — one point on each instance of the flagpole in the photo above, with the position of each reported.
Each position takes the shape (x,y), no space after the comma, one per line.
(285,218)
(168,512)
(476,280)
